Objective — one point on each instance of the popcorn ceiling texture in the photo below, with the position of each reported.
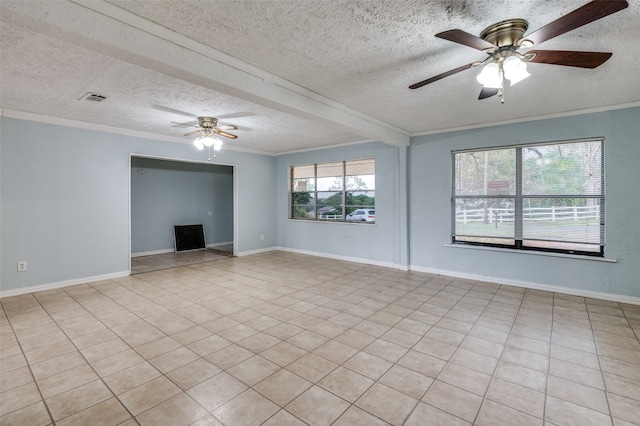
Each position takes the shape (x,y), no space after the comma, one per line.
(361,54)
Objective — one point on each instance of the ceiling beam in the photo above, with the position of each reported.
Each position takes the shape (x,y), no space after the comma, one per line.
(98,25)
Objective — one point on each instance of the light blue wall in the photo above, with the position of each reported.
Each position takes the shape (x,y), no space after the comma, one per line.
(65,200)
(167,193)
(430,194)
(385,242)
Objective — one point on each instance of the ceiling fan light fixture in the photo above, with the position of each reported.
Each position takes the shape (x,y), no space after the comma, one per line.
(490,76)
(198,143)
(217,145)
(514,69)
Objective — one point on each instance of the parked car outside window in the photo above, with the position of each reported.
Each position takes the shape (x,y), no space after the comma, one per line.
(362,215)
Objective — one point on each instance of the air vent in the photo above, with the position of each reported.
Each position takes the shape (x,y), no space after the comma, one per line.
(93,97)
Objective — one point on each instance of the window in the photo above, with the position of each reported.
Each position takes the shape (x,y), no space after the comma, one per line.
(341,191)
(547,197)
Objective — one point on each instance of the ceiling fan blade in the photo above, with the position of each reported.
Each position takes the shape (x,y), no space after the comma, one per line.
(590,12)
(173,111)
(487,93)
(192,133)
(440,76)
(189,124)
(225,134)
(463,37)
(227,127)
(570,58)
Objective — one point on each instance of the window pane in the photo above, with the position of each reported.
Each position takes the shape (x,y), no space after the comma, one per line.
(361,182)
(304,184)
(361,167)
(575,220)
(331,183)
(485,172)
(330,169)
(361,198)
(564,169)
(303,205)
(304,171)
(484,219)
(330,205)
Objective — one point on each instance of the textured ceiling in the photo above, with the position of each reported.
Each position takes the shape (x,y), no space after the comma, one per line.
(295,74)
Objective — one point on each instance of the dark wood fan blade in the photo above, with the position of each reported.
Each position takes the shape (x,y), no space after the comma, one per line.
(463,37)
(570,58)
(590,12)
(225,134)
(487,93)
(192,133)
(440,76)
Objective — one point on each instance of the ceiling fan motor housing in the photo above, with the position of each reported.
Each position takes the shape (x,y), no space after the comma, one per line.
(207,122)
(505,33)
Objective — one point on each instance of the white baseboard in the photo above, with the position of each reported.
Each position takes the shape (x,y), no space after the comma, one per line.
(163,251)
(620,298)
(345,258)
(152,252)
(60,284)
(250,252)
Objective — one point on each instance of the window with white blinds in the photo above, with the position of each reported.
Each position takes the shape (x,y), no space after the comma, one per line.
(547,196)
(340,191)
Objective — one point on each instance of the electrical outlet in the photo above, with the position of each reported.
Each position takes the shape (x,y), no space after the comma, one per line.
(261,237)
(22,266)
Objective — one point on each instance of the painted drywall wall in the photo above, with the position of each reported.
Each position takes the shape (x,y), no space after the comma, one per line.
(167,193)
(65,200)
(430,194)
(384,243)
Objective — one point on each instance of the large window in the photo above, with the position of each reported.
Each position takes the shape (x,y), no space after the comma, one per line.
(547,197)
(341,191)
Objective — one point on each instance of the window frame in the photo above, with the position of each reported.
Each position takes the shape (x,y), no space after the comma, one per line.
(344,190)
(518,203)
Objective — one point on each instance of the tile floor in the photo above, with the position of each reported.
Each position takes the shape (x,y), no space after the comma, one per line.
(285,339)
(157,262)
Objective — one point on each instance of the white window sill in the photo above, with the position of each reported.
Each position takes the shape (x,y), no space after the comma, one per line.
(532,252)
(337,222)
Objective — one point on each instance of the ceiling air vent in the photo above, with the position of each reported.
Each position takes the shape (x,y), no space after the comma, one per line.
(93,97)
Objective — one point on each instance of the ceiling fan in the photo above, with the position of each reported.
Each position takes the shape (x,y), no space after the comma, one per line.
(503,40)
(208,128)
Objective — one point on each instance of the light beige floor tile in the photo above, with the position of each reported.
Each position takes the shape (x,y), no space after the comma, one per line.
(562,412)
(526,359)
(368,365)
(15,378)
(522,376)
(177,411)
(253,370)
(312,367)
(229,356)
(208,345)
(109,412)
(577,373)
(317,407)
(283,418)
(282,387)
(517,397)
(57,365)
(283,353)
(577,393)
(425,414)
(435,348)
(149,394)
(386,350)
(54,350)
(475,361)
(453,400)
(219,389)
(283,330)
(248,409)
(131,377)
(171,360)
(78,399)
(116,362)
(355,416)
(157,347)
(450,337)
(422,363)
(335,351)
(193,373)
(67,380)
(584,359)
(625,408)
(33,415)
(386,403)
(494,414)
(18,398)
(346,384)
(622,386)
(355,339)
(258,342)
(620,368)
(465,378)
